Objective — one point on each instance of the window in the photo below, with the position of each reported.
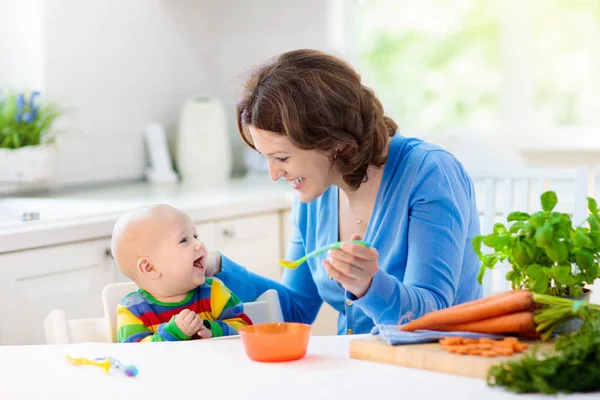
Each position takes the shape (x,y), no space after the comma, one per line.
(481,66)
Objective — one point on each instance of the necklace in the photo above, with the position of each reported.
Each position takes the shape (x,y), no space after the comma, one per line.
(359,221)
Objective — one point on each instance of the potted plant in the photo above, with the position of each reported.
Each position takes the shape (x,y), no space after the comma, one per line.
(547,254)
(27,149)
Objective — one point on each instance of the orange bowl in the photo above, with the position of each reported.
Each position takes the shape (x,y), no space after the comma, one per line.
(280,341)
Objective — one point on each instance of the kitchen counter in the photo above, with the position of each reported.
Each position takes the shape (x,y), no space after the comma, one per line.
(219,368)
(90,214)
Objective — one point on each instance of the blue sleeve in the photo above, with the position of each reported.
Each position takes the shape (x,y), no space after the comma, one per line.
(439,215)
(298,295)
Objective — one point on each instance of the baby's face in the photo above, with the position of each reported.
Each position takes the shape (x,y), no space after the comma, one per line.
(179,255)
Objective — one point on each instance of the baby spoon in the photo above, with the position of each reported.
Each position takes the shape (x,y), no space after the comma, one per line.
(336,245)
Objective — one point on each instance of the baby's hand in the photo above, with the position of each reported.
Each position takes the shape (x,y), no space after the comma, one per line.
(189,322)
(204,332)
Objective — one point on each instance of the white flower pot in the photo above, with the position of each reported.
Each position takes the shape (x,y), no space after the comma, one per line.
(29,168)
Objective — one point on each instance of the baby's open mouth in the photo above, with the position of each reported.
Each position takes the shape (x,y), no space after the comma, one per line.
(198,263)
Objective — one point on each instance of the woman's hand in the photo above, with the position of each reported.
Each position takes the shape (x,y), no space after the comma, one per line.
(353,266)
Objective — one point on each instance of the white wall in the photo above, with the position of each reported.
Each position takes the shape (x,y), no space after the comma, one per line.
(21,50)
(118,65)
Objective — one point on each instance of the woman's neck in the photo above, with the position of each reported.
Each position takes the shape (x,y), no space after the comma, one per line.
(367,189)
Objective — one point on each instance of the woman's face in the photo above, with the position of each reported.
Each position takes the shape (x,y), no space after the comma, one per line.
(308,171)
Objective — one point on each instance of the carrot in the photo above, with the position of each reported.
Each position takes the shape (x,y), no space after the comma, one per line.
(487,299)
(520,322)
(517,300)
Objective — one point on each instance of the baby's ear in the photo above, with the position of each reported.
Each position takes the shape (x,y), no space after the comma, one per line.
(146,268)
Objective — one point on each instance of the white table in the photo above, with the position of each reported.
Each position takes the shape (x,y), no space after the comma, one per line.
(219,369)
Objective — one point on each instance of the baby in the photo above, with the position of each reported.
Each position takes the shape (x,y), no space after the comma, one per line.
(158,249)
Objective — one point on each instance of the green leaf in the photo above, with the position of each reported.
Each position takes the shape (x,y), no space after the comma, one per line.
(518,216)
(480,274)
(595,238)
(533,251)
(561,273)
(539,285)
(549,200)
(543,234)
(476,242)
(537,219)
(499,228)
(514,228)
(557,251)
(592,205)
(528,230)
(584,259)
(594,222)
(496,242)
(581,239)
(520,254)
(534,271)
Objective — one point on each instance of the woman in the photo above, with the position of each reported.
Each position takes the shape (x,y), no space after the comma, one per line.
(356,177)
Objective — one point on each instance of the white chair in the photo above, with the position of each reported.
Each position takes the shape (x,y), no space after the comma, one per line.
(499,192)
(60,330)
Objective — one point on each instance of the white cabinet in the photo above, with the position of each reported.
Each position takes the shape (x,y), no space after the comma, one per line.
(34,282)
(254,242)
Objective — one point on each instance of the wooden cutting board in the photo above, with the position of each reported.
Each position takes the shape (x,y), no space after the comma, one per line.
(431,356)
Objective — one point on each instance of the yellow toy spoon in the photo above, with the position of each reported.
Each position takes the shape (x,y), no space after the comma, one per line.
(336,245)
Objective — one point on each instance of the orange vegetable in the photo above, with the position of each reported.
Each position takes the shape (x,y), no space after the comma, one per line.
(484,346)
(512,302)
(519,322)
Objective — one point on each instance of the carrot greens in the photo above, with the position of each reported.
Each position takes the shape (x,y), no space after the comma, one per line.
(574,366)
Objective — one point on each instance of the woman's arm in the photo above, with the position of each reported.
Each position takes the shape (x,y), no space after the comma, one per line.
(439,217)
(298,295)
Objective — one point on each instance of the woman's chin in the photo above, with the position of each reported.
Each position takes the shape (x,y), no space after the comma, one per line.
(307,196)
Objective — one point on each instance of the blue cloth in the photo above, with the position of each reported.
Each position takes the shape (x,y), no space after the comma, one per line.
(393,336)
(422,225)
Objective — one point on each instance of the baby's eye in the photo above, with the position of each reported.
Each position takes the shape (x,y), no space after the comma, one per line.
(195,236)
(184,240)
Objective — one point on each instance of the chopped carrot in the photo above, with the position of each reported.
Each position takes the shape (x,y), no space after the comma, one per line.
(484,346)
(451,340)
(489,353)
(514,302)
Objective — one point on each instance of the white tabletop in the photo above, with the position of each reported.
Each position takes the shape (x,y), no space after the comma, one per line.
(219,369)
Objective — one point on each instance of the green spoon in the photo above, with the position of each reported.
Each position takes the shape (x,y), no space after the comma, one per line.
(336,245)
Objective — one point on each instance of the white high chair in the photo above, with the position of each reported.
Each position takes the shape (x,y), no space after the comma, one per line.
(60,330)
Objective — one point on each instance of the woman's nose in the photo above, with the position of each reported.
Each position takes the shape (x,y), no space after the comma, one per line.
(275,172)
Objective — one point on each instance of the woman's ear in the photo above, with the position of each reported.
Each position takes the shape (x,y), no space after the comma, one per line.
(146,268)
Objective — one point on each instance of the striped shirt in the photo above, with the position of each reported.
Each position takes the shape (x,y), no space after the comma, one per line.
(142,318)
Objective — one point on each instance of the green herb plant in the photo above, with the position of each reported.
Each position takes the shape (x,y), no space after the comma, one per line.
(573,366)
(25,120)
(548,255)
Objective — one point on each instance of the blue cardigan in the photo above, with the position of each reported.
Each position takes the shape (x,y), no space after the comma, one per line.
(422,225)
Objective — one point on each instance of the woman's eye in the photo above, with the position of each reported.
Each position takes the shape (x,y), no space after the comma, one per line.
(281,159)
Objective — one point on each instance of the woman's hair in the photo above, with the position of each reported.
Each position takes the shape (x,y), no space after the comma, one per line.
(319,103)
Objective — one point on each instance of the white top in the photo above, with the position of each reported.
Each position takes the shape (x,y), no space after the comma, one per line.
(220,369)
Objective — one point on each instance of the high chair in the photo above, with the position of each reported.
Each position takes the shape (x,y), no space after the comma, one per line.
(60,330)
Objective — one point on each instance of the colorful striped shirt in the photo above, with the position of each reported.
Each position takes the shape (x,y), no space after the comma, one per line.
(142,318)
